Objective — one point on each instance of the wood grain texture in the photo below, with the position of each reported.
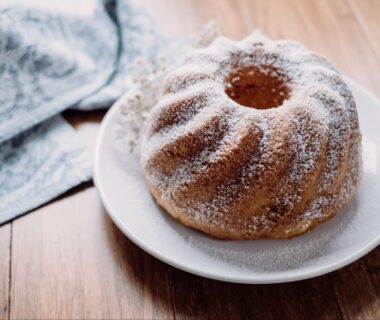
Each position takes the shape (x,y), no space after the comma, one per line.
(367,15)
(76,264)
(327,27)
(87,125)
(5,242)
(341,31)
(70,261)
(188,17)
(209,299)
(358,288)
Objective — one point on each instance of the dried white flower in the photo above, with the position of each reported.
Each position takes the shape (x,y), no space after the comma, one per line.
(209,33)
(145,82)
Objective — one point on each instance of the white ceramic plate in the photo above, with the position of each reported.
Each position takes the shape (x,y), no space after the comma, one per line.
(340,241)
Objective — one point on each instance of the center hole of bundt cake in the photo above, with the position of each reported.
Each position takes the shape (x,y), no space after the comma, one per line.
(259,87)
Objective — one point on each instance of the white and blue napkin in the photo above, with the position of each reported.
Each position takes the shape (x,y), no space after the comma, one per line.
(56,55)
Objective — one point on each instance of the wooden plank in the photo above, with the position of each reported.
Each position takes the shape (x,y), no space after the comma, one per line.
(5,243)
(188,17)
(358,288)
(332,28)
(327,27)
(69,261)
(367,14)
(200,298)
(87,125)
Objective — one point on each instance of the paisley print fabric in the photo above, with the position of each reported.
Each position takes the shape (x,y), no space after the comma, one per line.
(51,60)
(38,165)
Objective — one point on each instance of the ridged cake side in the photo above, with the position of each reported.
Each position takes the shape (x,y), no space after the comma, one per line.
(242,173)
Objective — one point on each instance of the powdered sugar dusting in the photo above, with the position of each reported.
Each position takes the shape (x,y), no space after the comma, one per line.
(319,112)
(145,80)
(285,255)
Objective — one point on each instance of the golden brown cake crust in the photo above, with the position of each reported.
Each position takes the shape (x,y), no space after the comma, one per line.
(253,139)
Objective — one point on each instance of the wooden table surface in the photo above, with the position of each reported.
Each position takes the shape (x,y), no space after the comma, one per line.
(68,260)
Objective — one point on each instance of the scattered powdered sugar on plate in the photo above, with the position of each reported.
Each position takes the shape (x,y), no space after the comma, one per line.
(285,254)
(262,255)
(343,232)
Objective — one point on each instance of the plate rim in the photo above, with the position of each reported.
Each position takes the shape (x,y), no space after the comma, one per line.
(262,279)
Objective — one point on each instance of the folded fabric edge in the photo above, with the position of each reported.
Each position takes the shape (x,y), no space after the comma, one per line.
(39,165)
(49,109)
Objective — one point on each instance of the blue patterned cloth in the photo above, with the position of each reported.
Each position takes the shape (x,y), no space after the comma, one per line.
(38,165)
(52,59)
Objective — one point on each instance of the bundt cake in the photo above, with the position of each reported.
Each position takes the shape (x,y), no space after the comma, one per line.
(253,139)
